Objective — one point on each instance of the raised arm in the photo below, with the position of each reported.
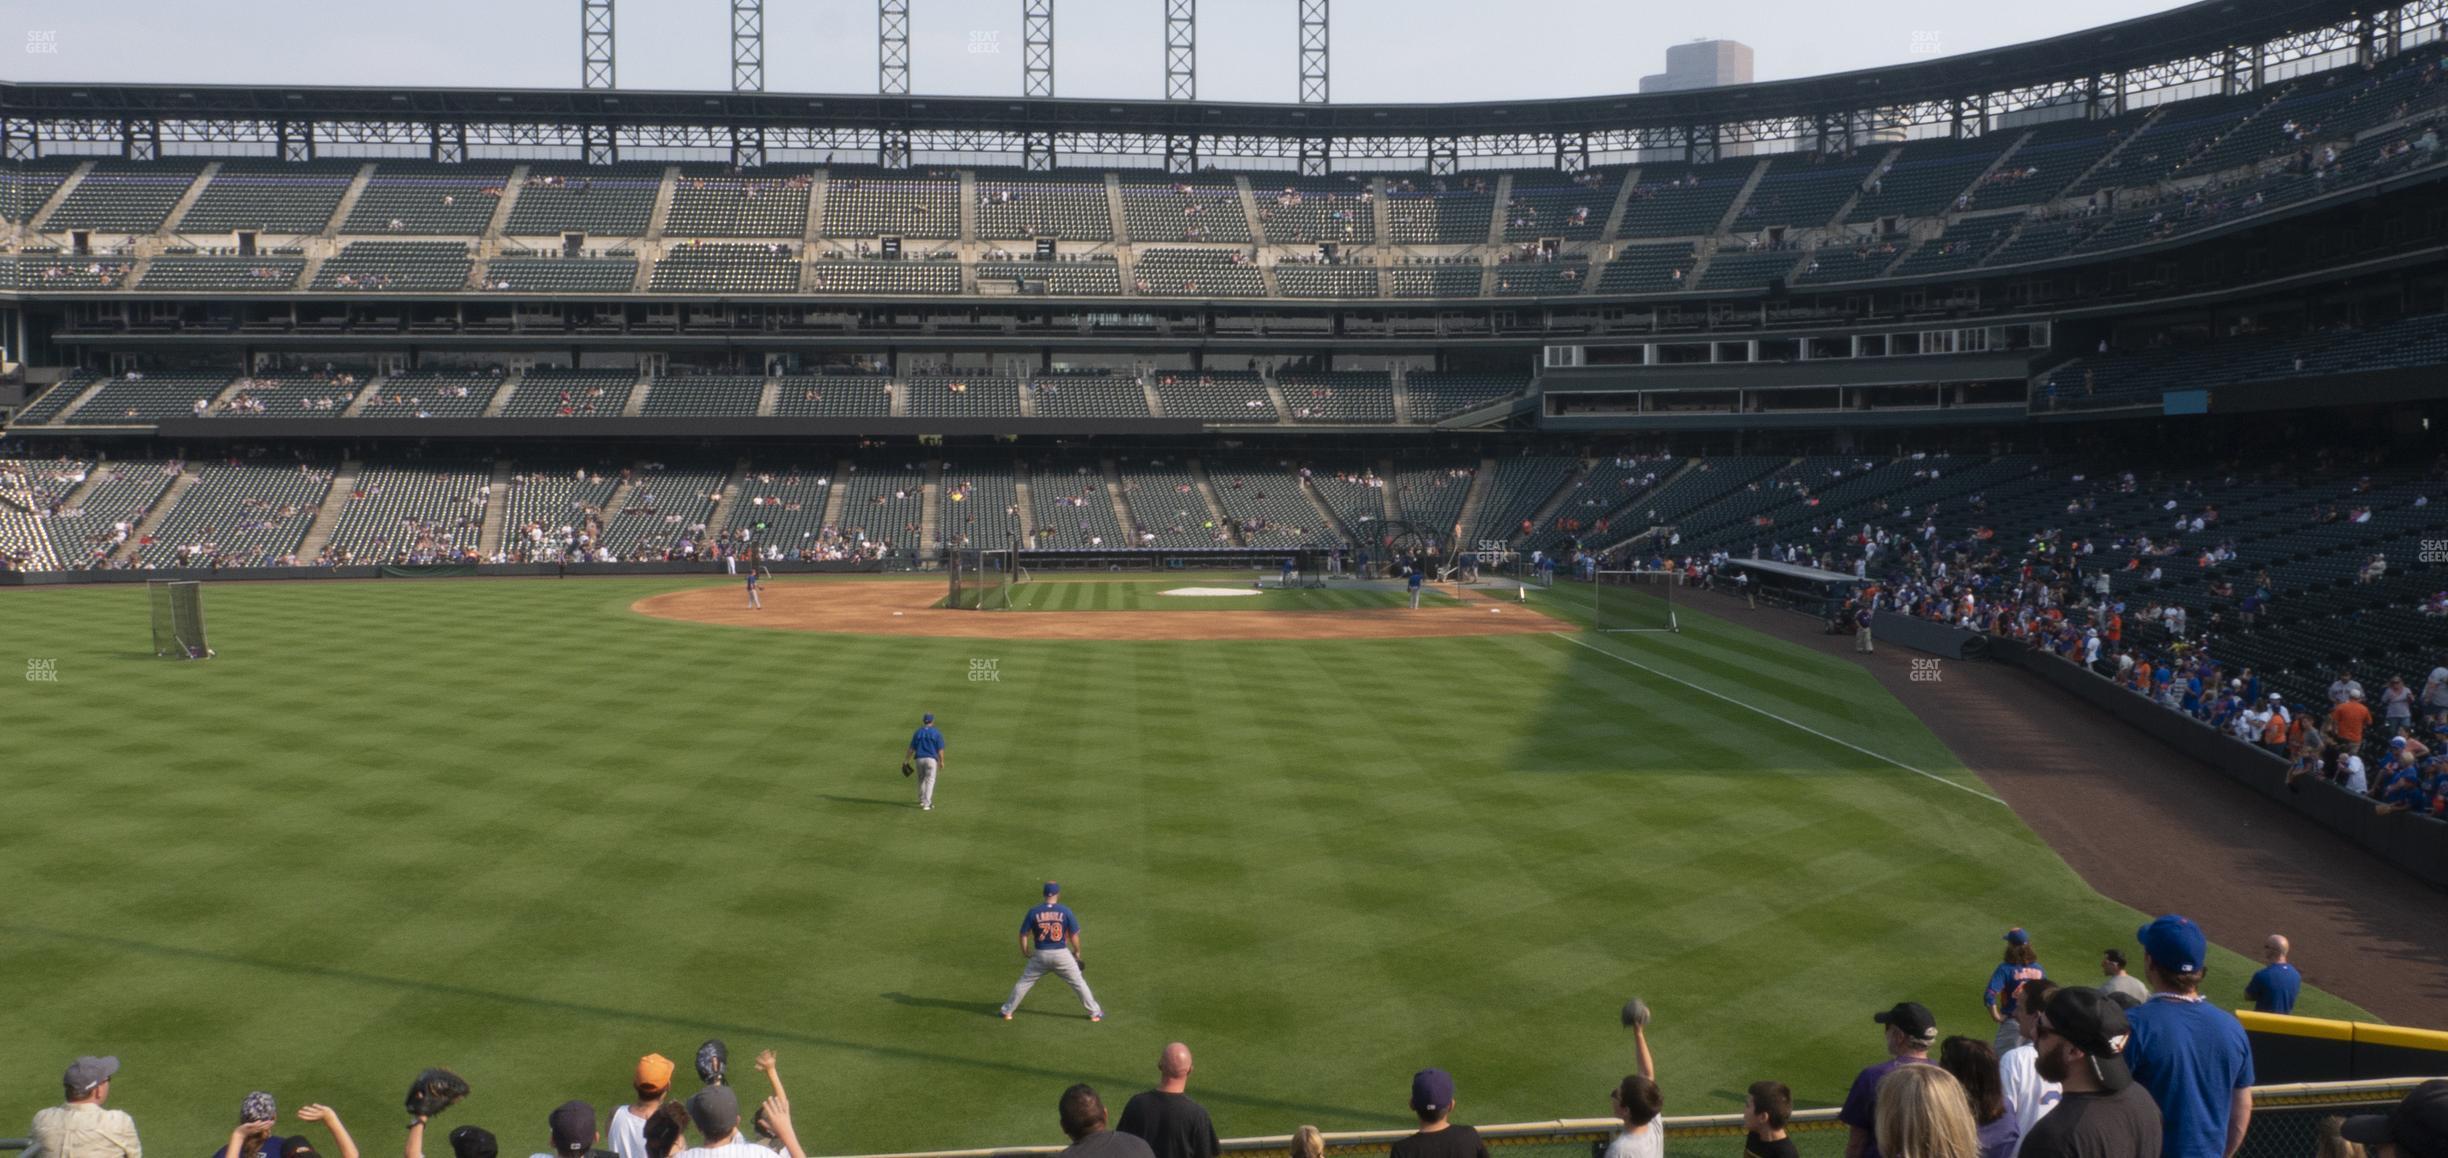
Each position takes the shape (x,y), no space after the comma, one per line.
(341,1142)
(416,1138)
(777,1116)
(773,1074)
(1640,1042)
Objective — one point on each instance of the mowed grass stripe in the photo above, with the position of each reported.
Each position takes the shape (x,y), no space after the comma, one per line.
(513,828)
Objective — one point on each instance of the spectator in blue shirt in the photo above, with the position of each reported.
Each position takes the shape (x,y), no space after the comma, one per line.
(2273,989)
(2190,1054)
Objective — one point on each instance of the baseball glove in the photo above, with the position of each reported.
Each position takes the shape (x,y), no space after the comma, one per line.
(908,770)
(434,1091)
(713,1061)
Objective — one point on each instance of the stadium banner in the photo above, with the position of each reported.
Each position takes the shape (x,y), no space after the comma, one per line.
(2417,844)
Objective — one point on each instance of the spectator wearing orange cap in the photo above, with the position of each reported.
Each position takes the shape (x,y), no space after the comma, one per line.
(651,1081)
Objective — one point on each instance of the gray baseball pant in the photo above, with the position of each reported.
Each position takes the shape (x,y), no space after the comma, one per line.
(1059,963)
(926,781)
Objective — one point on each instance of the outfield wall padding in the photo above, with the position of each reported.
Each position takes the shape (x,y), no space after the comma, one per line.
(2416,844)
(2299,1049)
(422,571)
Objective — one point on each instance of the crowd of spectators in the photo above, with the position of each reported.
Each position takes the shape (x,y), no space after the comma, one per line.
(2102,1070)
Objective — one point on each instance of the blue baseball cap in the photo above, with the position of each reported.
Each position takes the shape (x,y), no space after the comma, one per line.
(1052,888)
(2016,936)
(2175,944)
(928,718)
(1431,1091)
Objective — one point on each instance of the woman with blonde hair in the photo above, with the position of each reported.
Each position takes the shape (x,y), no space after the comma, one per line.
(1923,1113)
(1308,1143)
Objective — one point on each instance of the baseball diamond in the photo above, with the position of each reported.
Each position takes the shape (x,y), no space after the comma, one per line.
(1881,592)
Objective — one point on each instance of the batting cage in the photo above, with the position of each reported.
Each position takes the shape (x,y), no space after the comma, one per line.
(981,578)
(178,618)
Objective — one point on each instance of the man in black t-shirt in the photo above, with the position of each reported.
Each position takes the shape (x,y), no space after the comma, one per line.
(2082,1035)
(1172,1125)
(1083,1121)
(1432,1098)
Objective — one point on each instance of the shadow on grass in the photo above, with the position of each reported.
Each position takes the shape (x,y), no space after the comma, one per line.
(1208,1093)
(981,1008)
(871,801)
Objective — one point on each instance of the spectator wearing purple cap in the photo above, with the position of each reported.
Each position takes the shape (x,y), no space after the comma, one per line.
(1439,1136)
(79,1127)
(2021,964)
(1082,1114)
(2416,1127)
(1911,1030)
(2191,1055)
(258,1113)
(574,1132)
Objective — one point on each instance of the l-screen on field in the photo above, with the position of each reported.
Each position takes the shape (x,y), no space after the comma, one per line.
(526,830)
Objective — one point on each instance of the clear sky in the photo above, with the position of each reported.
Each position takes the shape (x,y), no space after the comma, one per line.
(1383,50)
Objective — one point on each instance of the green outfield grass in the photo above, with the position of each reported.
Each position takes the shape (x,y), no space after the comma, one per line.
(1053,593)
(513,828)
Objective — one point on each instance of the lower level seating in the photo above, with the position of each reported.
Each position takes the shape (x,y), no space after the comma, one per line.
(239,514)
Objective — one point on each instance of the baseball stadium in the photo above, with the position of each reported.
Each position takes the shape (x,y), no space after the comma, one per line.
(1620,621)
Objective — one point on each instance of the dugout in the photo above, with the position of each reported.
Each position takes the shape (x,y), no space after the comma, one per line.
(1811,590)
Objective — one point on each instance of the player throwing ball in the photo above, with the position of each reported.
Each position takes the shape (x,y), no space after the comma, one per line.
(1049,942)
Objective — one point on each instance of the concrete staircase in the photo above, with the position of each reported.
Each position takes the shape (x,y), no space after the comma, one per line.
(497,510)
(665,190)
(1028,505)
(1113,207)
(1386,494)
(1401,382)
(187,201)
(152,520)
(1496,221)
(1147,383)
(968,205)
(1563,494)
(364,398)
(1215,506)
(819,188)
(1326,515)
(501,396)
(637,397)
(1878,172)
(335,503)
(930,512)
(42,215)
(1121,507)
(837,496)
(509,198)
(1734,208)
(84,396)
(1468,523)
(1275,398)
(1623,197)
(720,517)
(769,399)
(348,199)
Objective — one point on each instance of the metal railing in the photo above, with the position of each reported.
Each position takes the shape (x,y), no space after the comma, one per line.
(2286,1124)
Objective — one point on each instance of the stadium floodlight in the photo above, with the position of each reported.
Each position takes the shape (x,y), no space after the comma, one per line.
(1181,50)
(595,44)
(892,47)
(747,45)
(1037,48)
(1313,52)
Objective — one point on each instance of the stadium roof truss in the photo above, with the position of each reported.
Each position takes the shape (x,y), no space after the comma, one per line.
(2210,47)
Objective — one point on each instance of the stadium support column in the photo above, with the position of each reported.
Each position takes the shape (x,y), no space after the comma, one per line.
(1313,52)
(892,47)
(19,142)
(139,140)
(1181,50)
(747,75)
(296,139)
(595,43)
(1037,48)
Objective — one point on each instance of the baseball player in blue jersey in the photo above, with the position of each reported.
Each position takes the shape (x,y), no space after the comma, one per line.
(1049,942)
(756,583)
(926,750)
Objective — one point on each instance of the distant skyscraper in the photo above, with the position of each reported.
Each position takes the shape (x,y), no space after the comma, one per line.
(1700,64)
